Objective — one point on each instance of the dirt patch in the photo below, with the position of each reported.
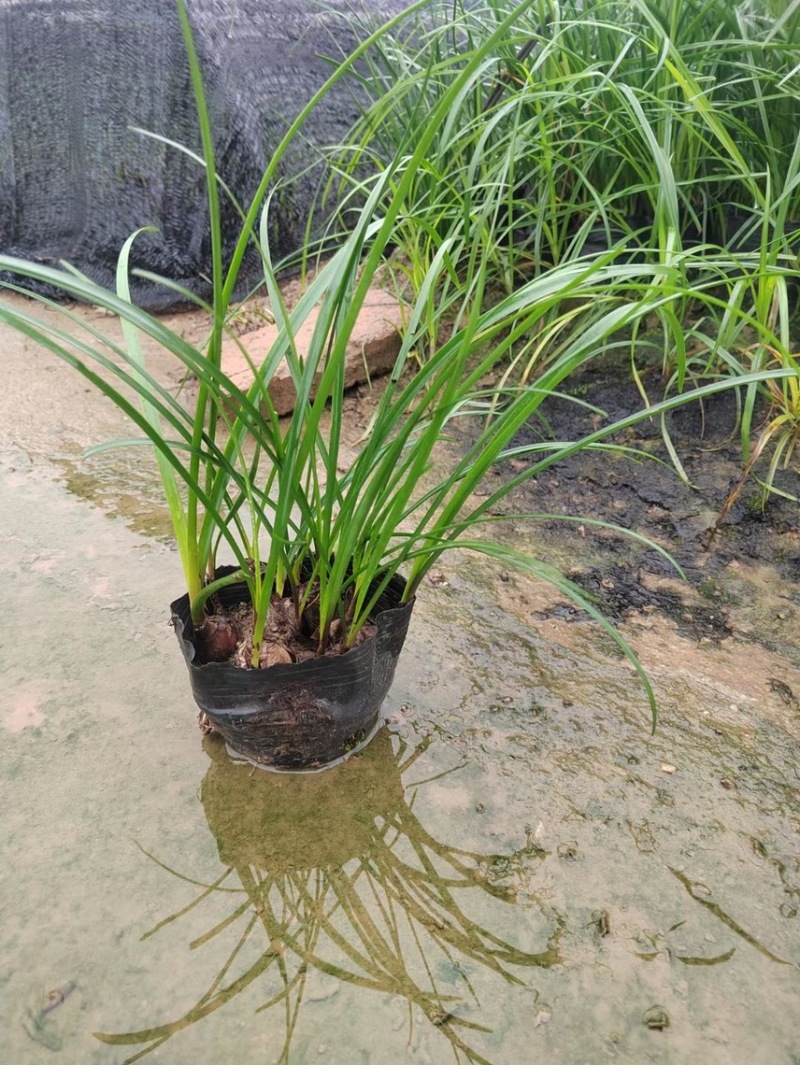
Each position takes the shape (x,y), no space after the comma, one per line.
(648,498)
(623,590)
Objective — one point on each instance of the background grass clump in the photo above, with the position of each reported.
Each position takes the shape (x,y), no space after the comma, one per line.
(660,132)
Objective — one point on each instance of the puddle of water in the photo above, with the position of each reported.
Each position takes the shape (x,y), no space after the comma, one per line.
(125,484)
(519,871)
(51,412)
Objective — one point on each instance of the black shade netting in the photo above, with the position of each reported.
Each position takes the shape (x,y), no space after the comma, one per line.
(76,75)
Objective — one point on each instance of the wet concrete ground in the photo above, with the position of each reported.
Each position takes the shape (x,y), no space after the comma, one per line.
(516,870)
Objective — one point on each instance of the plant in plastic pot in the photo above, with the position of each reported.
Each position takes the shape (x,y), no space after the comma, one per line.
(292,644)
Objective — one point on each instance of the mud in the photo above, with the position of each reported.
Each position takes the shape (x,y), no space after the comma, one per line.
(651,499)
(721,561)
(515,869)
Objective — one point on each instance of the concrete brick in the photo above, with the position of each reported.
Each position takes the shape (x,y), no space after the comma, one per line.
(372,350)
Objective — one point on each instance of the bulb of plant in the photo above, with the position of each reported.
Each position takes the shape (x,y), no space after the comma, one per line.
(336,543)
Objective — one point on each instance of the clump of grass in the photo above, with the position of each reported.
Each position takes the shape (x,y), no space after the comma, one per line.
(658,132)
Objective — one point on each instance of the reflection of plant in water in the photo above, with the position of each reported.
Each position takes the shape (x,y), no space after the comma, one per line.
(340,877)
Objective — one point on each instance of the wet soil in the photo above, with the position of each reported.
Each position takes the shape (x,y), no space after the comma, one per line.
(648,498)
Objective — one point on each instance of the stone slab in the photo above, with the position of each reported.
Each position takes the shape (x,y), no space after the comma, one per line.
(372,350)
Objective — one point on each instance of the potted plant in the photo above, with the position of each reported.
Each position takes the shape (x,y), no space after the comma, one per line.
(328,551)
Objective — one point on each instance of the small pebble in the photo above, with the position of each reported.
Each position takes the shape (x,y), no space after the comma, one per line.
(656,1018)
(602,922)
(543,1016)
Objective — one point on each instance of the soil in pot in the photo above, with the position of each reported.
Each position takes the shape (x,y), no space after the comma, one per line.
(227,635)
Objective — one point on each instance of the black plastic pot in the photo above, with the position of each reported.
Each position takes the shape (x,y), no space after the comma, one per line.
(306,715)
